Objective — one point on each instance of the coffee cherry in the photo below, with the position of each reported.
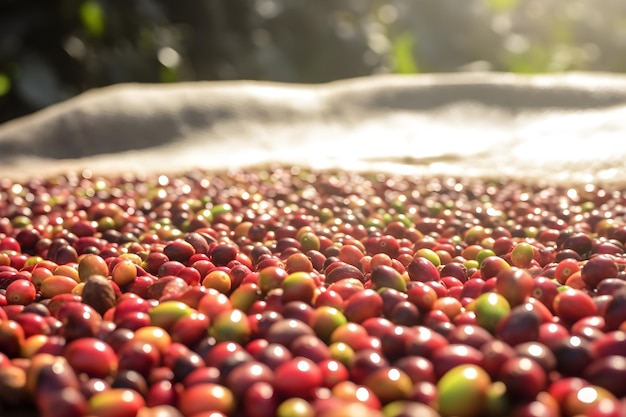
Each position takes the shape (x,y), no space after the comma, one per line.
(310,292)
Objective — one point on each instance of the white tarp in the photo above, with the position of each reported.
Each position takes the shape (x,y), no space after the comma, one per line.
(565,127)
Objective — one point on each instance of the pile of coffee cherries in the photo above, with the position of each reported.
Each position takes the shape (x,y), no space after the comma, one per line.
(293,292)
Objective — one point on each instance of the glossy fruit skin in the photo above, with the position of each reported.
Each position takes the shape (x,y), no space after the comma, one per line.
(538,352)
(582,401)
(522,254)
(285,331)
(422,270)
(561,388)
(273,355)
(495,353)
(245,295)
(161,393)
(260,400)
(404,313)
(310,347)
(349,391)
(565,269)
(520,325)
(573,355)
(124,272)
(572,305)
(524,378)
(166,313)
(609,286)
(138,356)
(608,372)
(205,397)
(78,320)
(515,285)
(615,312)
(422,295)
(118,402)
(92,265)
(298,286)
(469,334)
(365,362)
(325,320)
(612,343)
(366,304)
(545,290)
(214,303)
(231,326)
(454,355)
(491,266)
(57,284)
(343,271)
(389,384)
(333,372)
(598,268)
(189,330)
(67,401)
(424,342)
(92,356)
(34,324)
(240,378)
(462,391)
(21,291)
(383,276)
(298,377)
(607,407)
(201,375)
(490,308)
(296,407)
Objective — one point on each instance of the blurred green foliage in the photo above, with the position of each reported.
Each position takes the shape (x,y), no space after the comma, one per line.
(53,49)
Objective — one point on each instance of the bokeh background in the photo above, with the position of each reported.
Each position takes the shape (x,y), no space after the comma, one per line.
(51,50)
